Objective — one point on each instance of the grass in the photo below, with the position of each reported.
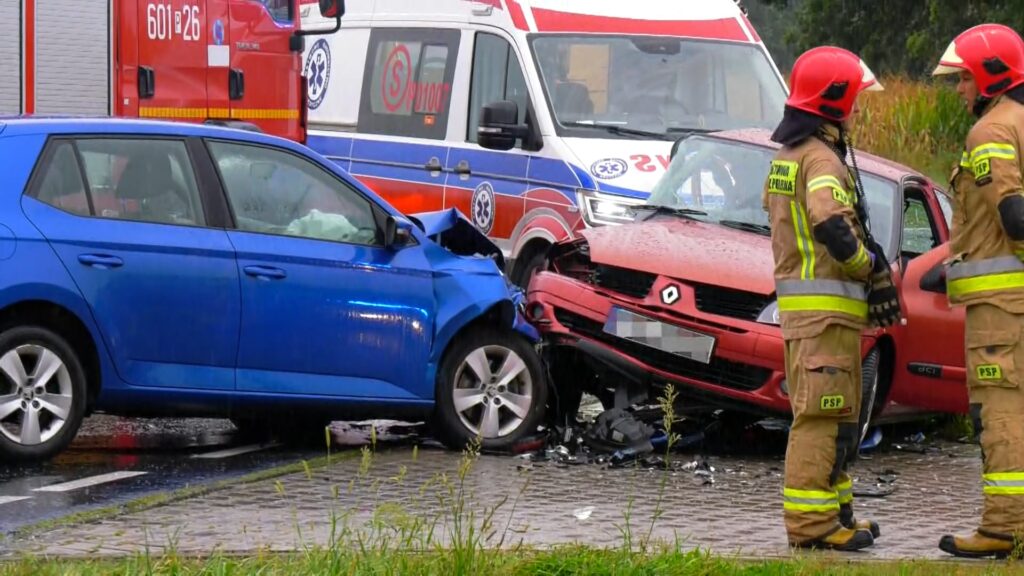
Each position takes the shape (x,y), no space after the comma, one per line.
(920,124)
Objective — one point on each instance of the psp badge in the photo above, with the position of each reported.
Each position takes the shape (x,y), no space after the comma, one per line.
(318,73)
(482,207)
(609,168)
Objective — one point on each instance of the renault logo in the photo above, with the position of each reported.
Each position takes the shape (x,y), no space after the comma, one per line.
(670,294)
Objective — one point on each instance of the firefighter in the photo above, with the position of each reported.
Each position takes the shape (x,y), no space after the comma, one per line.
(832,282)
(985,275)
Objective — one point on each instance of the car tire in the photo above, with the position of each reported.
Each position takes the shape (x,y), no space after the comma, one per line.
(486,396)
(869,389)
(525,272)
(54,400)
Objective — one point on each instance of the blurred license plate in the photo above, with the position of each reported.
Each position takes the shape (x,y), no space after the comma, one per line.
(659,335)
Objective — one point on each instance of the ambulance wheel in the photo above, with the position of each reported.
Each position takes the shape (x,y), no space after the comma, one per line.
(869,389)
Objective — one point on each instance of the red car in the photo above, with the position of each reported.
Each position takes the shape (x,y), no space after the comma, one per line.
(685,293)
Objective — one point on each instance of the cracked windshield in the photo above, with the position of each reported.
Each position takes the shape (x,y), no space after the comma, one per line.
(647,83)
(725,181)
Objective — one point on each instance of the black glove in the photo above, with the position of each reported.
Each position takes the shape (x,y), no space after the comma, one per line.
(883,300)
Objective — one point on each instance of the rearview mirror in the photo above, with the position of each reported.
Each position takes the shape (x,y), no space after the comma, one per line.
(499,126)
(397,233)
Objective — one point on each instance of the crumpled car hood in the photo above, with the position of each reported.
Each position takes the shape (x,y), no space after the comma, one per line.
(687,250)
(452,230)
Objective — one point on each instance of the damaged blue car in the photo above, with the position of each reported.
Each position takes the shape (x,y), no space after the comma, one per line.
(172,269)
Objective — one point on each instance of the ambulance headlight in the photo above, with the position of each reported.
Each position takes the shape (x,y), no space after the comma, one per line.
(606,209)
(770,314)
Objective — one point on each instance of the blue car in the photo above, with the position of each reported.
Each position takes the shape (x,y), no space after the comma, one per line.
(172,269)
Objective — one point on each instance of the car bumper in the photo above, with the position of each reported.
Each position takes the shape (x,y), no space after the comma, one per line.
(746,366)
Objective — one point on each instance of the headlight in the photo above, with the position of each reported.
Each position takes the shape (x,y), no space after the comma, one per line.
(604,209)
(770,314)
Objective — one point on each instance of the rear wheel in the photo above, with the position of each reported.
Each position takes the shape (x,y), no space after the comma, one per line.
(42,394)
(491,384)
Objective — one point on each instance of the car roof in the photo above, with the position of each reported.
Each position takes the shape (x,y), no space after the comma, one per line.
(866,162)
(34,124)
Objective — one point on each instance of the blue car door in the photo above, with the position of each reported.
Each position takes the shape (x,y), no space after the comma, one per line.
(126,217)
(326,309)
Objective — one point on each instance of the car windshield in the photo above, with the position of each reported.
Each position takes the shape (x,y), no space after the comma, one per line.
(650,84)
(725,179)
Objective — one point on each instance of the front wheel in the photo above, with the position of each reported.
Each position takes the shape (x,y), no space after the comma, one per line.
(869,389)
(490,385)
(42,394)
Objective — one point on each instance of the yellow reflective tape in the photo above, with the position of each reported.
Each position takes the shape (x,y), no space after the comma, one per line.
(847,485)
(1004,476)
(990,372)
(810,507)
(965,160)
(822,181)
(833,402)
(846,497)
(965,286)
(782,178)
(856,261)
(841,196)
(855,308)
(225,113)
(809,494)
(993,150)
(803,240)
(1004,490)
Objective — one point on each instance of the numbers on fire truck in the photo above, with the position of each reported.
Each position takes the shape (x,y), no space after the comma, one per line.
(164,22)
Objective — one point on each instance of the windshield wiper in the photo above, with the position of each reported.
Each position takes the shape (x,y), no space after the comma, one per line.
(672,211)
(762,229)
(622,130)
(693,130)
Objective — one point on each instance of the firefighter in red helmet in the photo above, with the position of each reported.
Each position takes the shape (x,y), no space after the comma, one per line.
(985,274)
(832,281)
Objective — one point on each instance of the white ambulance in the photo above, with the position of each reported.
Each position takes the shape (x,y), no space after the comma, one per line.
(535,118)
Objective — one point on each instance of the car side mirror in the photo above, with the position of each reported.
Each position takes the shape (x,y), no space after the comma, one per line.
(499,126)
(397,233)
(935,279)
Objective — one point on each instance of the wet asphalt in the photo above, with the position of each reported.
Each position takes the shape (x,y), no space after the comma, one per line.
(115,460)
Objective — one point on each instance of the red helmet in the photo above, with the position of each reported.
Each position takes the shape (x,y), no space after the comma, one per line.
(826,81)
(992,53)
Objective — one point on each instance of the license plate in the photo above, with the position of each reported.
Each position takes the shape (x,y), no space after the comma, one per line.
(659,335)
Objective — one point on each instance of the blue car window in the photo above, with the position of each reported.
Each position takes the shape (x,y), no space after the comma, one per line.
(274,192)
(143,180)
(62,184)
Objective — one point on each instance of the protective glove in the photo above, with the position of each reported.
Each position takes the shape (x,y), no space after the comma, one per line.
(883,299)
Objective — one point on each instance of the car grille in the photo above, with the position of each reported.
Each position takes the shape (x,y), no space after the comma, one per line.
(624,281)
(730,303)
(720,372)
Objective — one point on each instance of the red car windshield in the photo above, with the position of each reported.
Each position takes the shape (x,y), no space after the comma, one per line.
(725,179)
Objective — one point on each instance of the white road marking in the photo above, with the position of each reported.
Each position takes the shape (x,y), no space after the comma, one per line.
(228,453)
(11,499)
(89,481)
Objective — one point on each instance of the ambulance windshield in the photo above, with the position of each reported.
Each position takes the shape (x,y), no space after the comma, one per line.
(725,179)
(656,85)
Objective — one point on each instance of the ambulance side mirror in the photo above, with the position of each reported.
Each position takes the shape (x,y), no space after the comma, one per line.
(499,126)
(332,8)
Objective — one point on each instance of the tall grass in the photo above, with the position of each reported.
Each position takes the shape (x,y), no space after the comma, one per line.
(920,124)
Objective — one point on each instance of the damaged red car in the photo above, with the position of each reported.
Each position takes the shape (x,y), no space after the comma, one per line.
(684,294)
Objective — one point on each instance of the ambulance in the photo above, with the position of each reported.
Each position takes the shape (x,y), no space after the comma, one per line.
(535,118)
(234,62)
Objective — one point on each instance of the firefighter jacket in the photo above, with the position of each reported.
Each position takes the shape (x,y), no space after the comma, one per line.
(987,237)
(822,265)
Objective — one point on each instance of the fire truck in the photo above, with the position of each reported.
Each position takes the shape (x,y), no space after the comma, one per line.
(233,62)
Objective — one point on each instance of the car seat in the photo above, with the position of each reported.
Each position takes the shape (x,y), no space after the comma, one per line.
(147,178)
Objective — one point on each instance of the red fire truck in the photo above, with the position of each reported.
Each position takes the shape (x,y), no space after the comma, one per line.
(225,61)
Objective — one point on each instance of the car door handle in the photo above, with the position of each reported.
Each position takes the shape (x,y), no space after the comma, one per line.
(462,169)
(265,272)
(100,260)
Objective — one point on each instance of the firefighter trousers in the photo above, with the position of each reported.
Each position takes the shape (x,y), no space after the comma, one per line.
(995,385)
(823,374)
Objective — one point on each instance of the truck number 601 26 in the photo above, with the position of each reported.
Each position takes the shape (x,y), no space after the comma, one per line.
(163,22)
